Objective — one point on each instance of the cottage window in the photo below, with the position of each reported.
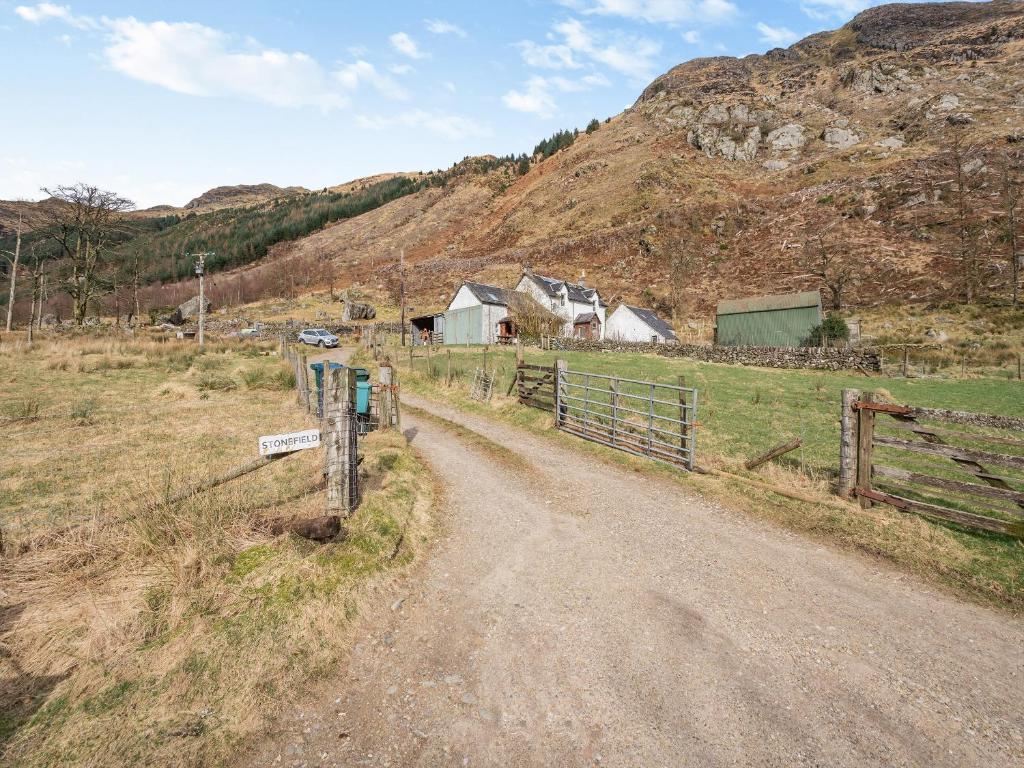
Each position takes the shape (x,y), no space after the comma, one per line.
(561,299)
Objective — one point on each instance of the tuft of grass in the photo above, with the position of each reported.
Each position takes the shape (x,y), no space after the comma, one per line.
(215,382)
(281,379)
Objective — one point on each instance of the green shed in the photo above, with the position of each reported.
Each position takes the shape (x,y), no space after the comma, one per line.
(768,321)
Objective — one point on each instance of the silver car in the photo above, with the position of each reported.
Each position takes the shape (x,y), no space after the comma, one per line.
(318,337)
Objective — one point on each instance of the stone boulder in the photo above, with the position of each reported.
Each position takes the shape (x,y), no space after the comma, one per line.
(839,138)
(355,310)
(786,137)
(187,311)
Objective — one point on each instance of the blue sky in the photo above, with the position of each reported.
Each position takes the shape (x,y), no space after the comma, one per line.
(160,101)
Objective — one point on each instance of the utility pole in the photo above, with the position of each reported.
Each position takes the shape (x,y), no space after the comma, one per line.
(401,288)
(14,275)
(200,270)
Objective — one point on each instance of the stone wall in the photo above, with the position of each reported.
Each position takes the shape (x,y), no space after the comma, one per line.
(816,358)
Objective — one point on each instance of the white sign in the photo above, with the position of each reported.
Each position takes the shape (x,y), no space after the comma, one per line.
(293,441)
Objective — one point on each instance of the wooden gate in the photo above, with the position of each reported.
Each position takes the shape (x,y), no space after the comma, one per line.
(971,473)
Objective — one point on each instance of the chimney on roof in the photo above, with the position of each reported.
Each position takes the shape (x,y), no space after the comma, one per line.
(583,278)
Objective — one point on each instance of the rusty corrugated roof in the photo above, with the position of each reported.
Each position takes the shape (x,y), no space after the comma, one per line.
(769,303)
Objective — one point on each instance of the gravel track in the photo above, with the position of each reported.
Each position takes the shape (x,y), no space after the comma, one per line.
(586,615)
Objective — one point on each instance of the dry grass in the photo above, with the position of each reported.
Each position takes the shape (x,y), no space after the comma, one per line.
(170,638)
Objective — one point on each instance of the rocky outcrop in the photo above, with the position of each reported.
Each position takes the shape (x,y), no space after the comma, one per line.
(787,137)
(839,138)
(731,132)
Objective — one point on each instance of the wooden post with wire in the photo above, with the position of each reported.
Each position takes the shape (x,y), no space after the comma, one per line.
(341,454)
(847,443)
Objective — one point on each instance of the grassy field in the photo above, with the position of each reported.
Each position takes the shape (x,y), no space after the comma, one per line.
(745,411)
(158,634)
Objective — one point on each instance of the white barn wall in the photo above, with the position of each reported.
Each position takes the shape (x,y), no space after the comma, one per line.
(463,298)
(624,325)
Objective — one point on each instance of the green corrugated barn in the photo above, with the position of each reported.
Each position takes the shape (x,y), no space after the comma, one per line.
(768,321)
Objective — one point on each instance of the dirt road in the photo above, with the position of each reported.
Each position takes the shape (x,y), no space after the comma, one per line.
(583,615)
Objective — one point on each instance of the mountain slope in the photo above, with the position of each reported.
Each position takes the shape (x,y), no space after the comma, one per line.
(715,181)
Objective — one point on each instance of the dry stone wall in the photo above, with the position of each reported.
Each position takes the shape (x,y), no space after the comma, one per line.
(814,358)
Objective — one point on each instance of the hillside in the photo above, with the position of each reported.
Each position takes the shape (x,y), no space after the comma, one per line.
(712,183)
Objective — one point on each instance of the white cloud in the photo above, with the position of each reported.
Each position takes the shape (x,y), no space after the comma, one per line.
(573,43)
(538,95)
(835,10)
(37,14)
(198,60)
(441,27)
(632,56)
(449,86)
(406,46)
(352,76)
(659,11)
(454,127)
(547,56)
(691,37)
(64,39)
(400,69)
(777,36)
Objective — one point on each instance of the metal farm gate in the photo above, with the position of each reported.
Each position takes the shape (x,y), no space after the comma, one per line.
(640,417)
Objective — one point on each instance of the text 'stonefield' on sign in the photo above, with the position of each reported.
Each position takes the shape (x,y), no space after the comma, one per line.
(292,441)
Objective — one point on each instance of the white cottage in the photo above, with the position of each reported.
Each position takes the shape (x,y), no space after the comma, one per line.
(578,305)
(637,324)
(474,313)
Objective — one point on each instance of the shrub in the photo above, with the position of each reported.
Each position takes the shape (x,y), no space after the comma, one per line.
(593,125)
(832,329)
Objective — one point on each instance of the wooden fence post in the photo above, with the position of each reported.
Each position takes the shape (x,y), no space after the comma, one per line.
(847,442)
(1020,366)
(386,408)
(865,443)
(448,375)
(906,362)
(341,444)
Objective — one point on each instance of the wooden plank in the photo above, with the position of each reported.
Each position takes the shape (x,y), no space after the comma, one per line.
(865,443)
(541,368)
(847,441)
(952,452)
(904,475)
(913,426)
(867,405)
(933,510)
(774,453)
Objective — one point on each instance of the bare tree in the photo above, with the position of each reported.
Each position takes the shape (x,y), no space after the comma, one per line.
(83,220)
(12,258)
(829,261)
(1009,196)
(964,163)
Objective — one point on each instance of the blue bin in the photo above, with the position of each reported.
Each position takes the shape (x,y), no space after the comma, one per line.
(318,369)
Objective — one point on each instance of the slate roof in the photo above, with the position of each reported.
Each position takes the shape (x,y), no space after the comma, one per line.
(654,322)
(488,294)
(769,303)
(584,317)
(577,293)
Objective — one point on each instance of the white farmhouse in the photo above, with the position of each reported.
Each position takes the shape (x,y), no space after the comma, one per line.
(637,324)
(474,314)
(576,304)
